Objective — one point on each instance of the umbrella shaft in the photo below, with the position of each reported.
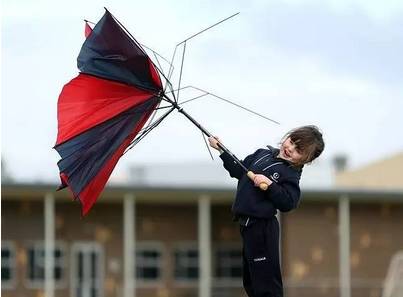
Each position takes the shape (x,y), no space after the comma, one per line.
(204,130)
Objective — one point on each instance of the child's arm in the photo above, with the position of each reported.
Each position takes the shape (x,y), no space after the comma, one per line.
(261,179)
(230,165)
(284,196)
(234,169)
(214,143)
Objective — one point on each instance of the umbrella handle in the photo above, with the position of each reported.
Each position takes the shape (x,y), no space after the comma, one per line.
(262,186)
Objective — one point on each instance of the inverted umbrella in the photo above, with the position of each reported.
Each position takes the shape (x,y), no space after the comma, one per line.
(102,112)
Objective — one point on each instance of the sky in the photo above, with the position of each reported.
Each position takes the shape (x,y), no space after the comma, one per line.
(336,64)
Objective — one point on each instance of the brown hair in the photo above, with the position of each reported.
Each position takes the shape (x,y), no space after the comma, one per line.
(308,140)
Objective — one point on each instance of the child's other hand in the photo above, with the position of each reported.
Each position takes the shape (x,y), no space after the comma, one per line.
(214,142)
(260,178)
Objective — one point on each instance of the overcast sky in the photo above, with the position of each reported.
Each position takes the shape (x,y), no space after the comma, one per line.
(336,64)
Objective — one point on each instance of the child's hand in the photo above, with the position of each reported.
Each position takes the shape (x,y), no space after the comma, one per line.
(260,178)
(214,142)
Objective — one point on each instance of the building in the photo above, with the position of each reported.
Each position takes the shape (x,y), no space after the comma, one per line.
(187,244)
(210,174)
(383,174)
(340,242)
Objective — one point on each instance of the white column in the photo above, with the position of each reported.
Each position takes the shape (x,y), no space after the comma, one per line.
(204,232)
(49,220)
(129,229)
(280,238)
(344,246)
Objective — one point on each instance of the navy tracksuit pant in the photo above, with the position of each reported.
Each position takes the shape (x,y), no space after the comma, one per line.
(261,263)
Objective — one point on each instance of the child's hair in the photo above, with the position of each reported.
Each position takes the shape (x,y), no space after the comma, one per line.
(308,140)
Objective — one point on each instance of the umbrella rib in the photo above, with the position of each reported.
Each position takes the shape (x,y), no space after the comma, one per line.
(158,61)
(151,127)
(159,55)
(208,28)
(87,21)
(194,98)
(127,32)
(170,72)
(206,93)
(233,103)
(154,113)
(208,147)
(156,55)
(145,132)
(138,44)
(180,74)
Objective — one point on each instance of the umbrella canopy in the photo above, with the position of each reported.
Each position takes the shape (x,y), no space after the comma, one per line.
(102,110)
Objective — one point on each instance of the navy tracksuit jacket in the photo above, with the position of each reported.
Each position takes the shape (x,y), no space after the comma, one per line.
(255,209)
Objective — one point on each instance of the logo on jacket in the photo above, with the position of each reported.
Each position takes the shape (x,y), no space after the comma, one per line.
(275,176)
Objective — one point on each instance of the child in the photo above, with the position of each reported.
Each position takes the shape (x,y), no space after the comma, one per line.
(255,209)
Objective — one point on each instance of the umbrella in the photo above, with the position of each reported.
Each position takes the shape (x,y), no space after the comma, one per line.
(109,107)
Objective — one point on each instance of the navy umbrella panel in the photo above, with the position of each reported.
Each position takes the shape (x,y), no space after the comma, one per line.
(102,110)
(109,52)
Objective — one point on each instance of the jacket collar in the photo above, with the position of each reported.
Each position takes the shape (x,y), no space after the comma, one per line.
(276,151)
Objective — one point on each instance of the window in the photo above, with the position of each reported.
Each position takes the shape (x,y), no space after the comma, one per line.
(87,270)
(7,264)
(186,261)
(148,262)
(228,263)
(36,264)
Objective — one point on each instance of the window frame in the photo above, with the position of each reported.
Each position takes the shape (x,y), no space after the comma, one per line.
(85,246)
(39,284)
(185,246)
(226,281)
(150,245)
(10,284)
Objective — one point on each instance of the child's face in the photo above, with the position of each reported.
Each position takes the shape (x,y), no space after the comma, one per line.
(289,152)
